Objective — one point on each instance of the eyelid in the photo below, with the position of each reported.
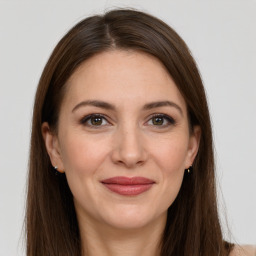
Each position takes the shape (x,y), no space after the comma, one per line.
(170,120)
(87,118)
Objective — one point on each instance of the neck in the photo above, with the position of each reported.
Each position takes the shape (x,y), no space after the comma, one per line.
(101,239)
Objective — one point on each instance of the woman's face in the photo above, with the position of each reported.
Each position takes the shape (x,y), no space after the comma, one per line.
(122,116)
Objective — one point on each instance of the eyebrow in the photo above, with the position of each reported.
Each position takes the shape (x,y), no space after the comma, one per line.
(95,103)
(108,106)
(158,104)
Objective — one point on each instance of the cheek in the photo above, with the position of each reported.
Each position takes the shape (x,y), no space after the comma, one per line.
(82,159)
(170,154)
(82,155)
(171,160)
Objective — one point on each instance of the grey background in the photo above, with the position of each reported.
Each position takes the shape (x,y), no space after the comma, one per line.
(222,38)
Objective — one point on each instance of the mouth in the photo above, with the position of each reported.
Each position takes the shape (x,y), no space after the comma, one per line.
(127,186)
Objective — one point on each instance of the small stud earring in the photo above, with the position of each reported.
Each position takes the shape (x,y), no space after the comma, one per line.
(189,170)
(57,171)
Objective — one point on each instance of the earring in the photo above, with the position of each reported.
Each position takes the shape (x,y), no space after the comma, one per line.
(189,170)
(57,172)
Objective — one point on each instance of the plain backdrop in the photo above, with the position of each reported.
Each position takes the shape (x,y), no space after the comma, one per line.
(222,38)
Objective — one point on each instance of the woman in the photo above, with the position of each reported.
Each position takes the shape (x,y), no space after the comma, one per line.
(120,118)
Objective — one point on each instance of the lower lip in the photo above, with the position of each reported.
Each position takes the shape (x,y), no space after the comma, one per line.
(128,190)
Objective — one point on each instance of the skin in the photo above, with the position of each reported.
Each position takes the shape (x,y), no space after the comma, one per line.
(246,250)
(127,141)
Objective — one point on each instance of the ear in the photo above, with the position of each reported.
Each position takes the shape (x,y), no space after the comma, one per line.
(193,146)
(52,146)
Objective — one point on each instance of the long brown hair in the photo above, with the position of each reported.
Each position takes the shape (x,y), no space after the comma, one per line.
(193,227)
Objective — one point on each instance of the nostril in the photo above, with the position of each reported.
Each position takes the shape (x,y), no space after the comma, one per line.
(140,163)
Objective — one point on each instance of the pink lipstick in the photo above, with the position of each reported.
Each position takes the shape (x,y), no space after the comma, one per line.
(128,186)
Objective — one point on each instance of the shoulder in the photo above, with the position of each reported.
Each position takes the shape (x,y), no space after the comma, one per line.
(243,250)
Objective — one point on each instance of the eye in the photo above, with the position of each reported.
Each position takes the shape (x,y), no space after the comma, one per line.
(161,120)
(94,120)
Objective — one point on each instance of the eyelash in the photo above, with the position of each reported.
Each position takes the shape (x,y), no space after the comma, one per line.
(89,117)
(170,120)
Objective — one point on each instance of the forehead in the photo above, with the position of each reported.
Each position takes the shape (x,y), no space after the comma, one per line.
(126,77)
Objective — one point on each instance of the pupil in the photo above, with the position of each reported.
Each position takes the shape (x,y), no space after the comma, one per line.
(96,120)
(157,120)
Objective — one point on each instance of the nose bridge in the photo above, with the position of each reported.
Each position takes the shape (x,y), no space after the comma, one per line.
(129,149)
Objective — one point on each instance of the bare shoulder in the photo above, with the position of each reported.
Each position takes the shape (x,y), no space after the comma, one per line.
(244,250)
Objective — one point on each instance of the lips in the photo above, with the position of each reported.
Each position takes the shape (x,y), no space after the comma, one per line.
(128,186)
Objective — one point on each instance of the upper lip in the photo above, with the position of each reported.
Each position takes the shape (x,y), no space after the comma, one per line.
(128,180)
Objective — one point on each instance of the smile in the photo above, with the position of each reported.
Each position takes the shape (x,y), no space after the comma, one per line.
(128,186)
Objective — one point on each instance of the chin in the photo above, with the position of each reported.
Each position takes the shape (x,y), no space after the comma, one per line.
(131,218)
(126,223)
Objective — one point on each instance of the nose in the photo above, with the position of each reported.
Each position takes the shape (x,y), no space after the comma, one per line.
(128,148)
